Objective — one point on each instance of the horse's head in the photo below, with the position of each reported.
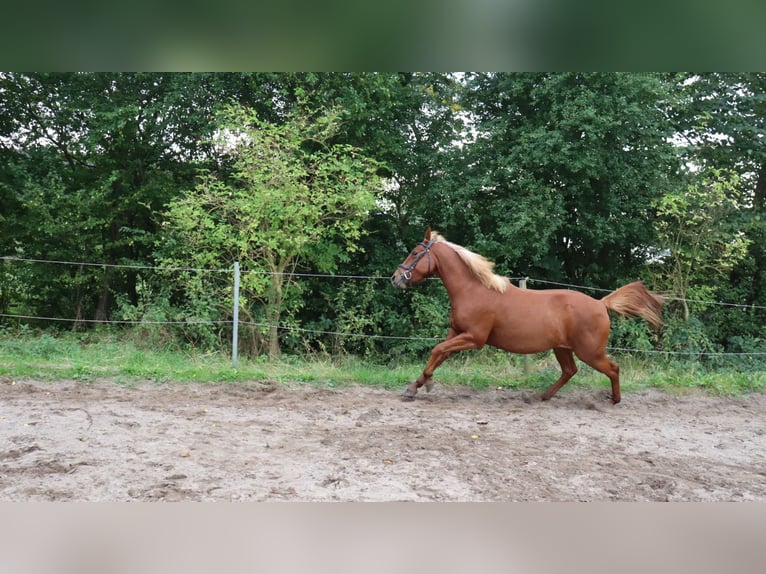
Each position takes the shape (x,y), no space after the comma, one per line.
(417,266)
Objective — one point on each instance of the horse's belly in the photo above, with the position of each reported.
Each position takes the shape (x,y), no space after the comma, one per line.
(530,337)
(518,343)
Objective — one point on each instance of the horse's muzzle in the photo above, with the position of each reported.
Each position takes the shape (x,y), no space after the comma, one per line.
(401,279)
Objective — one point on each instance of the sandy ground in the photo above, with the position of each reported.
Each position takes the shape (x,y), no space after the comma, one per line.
(100,441)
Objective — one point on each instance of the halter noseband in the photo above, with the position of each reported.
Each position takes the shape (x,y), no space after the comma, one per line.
(407,273)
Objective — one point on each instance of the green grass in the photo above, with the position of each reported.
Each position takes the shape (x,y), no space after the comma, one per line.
(93,357)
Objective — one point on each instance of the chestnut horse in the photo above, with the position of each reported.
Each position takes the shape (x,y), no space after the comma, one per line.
(487,309)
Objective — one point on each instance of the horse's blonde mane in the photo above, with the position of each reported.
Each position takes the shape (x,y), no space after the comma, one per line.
(479,265)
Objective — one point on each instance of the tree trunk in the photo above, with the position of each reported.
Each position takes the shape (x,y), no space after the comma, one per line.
(103,298)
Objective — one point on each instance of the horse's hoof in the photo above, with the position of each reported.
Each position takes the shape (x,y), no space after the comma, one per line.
(408,395)
(429,385)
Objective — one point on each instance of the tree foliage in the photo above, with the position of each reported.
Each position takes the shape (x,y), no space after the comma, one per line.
(566,168)
(700,236)
(284,195)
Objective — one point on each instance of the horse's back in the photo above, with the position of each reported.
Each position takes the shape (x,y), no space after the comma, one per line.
(558,301)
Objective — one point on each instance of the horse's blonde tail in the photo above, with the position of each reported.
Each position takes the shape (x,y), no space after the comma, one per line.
(635,300)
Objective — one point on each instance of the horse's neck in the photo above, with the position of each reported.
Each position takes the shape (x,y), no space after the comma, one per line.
(455,274)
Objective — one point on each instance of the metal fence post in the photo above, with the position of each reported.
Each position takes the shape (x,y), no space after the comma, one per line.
(235,326)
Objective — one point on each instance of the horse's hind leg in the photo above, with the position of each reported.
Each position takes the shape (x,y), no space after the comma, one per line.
(568,370)
(611,369)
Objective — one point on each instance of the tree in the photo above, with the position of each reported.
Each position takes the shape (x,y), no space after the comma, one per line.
(565,171)
(700,235)
(722,124)
(408,122)
(282,194)
(88,159)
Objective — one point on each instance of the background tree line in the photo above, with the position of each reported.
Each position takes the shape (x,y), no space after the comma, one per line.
(587,179)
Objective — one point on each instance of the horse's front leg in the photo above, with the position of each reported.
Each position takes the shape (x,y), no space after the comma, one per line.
(439,354)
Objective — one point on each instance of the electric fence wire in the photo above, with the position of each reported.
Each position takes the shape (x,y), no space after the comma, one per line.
(334,333)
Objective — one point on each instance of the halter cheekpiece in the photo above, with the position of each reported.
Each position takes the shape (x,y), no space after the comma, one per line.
(407,269)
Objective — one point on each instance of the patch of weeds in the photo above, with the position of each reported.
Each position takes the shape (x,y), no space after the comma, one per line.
(82,373)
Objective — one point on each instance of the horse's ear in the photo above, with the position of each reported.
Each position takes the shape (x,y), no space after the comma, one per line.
(428,235)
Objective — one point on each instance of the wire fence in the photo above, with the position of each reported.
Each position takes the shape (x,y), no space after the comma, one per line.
(291,328)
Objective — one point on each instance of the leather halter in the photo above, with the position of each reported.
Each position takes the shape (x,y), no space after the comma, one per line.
(407,273)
